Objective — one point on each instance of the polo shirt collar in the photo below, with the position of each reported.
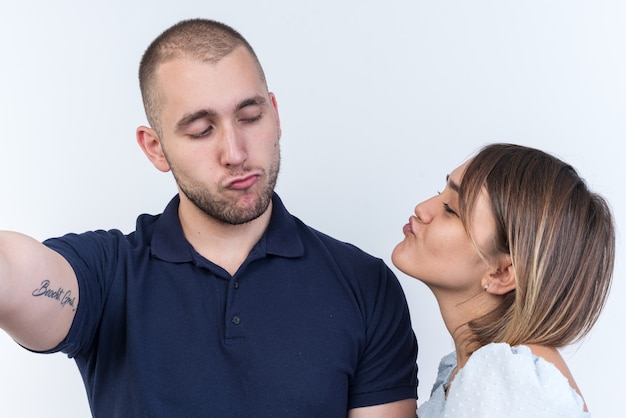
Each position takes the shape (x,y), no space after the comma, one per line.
(281,238)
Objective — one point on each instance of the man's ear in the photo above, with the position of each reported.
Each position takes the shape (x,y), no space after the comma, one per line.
(276,115)
(501,280)
(150,143)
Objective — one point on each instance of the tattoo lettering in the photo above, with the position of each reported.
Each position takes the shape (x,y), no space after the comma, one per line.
(63,297)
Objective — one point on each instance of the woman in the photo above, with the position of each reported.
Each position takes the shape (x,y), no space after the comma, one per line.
(519,255)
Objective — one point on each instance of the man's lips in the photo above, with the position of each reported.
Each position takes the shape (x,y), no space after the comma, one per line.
(241,183)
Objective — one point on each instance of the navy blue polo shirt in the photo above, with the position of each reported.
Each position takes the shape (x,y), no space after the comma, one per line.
(308,326)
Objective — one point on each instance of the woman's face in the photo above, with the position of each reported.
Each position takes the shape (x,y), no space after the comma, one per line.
(436,248)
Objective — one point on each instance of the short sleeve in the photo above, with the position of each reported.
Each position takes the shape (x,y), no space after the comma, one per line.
(499,380)
(94,257)
(434,406)
(387,368)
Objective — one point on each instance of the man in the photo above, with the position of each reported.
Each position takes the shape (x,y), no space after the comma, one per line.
(225,304)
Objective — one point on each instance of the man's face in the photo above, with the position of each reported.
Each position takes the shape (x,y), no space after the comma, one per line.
(220,135)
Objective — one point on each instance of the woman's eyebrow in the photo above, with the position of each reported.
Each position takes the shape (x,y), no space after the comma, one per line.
(452,184)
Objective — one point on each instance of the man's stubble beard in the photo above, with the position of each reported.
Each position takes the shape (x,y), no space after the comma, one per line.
(225,210)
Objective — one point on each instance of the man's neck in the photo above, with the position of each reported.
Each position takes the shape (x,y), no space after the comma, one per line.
(223,244)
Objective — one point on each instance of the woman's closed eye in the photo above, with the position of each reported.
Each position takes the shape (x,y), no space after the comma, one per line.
(449,210)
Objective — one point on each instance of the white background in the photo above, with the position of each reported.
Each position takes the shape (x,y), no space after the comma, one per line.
(378,101)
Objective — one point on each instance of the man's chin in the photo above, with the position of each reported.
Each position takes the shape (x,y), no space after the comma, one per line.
(243,211)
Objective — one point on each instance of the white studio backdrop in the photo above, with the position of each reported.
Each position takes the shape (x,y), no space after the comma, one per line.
(377,102)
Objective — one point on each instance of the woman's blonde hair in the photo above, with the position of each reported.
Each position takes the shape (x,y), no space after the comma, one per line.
(561,240)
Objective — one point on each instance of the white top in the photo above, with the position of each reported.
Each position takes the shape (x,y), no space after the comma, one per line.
(502,381)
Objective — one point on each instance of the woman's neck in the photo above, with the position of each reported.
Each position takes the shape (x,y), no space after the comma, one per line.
(457,311)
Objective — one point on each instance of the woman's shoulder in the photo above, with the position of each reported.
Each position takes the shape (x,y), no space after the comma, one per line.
(500,376)
(544,359)
(553,356)
(540,364)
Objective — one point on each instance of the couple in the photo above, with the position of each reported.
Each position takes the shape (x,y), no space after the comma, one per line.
(268,317)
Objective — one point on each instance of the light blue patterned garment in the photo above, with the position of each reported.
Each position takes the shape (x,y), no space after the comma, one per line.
(502,381)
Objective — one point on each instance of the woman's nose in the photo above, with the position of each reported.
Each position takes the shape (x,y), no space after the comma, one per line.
(424,211)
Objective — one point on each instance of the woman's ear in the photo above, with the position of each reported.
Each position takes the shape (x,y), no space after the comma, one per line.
(502,280)
(150,143)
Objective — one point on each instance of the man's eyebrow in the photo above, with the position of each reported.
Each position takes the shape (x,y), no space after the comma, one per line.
(452,184)
(253,101)
(190,118)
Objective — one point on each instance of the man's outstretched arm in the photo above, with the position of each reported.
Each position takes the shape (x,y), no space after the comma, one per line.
(38,292)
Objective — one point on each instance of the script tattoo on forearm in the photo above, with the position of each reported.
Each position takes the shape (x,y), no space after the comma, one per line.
(65,298)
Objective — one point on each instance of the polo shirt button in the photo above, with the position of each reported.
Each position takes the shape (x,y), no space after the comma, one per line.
(236,285)
(236,320)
